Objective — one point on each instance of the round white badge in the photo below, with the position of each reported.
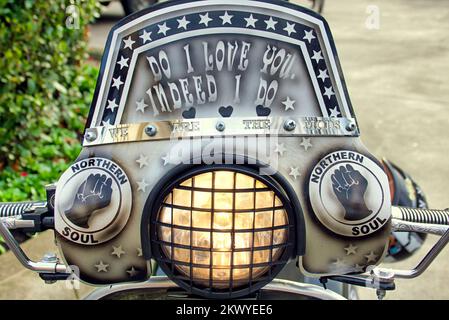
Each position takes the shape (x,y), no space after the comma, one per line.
(349,194)
(93,201)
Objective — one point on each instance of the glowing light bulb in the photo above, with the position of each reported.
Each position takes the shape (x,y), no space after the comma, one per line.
(214,222)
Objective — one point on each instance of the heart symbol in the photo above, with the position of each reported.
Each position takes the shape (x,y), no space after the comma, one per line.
(189,114)
(226,111)
(262,111)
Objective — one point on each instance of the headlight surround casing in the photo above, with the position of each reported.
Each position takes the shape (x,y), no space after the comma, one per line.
(260,273)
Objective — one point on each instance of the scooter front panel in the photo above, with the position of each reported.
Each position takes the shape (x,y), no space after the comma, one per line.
(207,81)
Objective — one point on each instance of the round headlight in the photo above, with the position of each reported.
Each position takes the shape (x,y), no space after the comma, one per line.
(221,231)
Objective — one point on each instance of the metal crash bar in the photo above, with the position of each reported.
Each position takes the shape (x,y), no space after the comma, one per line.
(39,267)
(400,225)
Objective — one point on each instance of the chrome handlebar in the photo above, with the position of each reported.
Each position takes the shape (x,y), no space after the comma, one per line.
(9,209)
(417,215)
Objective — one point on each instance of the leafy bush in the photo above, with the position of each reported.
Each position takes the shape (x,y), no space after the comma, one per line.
(45,91)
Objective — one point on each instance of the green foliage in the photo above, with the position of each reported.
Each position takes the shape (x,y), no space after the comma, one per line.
(45,91)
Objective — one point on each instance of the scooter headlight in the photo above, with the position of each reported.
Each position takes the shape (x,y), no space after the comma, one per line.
(224,231)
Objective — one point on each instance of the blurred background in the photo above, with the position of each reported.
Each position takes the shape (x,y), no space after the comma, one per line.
(394,55)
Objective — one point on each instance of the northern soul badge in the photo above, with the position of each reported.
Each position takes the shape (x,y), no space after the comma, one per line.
(93,201)
(349,194)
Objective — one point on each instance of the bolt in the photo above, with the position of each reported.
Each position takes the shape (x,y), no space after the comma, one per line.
(150,130)
(290,125)
(50,258)
(381,294)
(220,126)
(91,136)
(50,281)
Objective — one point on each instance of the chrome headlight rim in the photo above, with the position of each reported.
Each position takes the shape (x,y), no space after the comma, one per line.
(289,248)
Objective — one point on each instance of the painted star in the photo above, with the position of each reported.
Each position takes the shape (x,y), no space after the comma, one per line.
(294,172)
(371,257)
(141,106)
(317,56)
(182,23)
(112,105)
(139,252)
(226,18)
(359,268)
(334,113)
(107,123)
(250,21)
(142,185)
(280,149)
(323,75)
(290,28)
(289,104)
(163,28)
(306,143)
(309,36)
(419,191)
(339,264)
(422,204)
(329,92)
(128,43)
(351,249)
(101,267)
(271,23)
(117,82)
(204,19)
(117,251)
(123,62)
(145,36)
(166,159)
(142,161)
(132,272)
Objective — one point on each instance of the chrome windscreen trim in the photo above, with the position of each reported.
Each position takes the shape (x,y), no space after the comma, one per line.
(207,127)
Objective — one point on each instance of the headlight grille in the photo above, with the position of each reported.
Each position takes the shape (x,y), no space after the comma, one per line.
(222,230)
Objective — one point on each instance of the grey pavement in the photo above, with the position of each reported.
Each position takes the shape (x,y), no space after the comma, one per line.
(398,80)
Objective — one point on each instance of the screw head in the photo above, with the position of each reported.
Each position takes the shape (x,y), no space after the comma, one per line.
(290,125)
(150,130)
(220,126)
(350,126)
(91,135)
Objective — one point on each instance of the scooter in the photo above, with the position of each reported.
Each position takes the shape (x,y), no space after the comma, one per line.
(222,159)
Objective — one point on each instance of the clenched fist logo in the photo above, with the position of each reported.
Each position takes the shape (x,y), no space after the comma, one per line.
(93,194)
(350,186)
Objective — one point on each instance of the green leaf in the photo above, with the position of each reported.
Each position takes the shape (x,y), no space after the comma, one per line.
(45,92)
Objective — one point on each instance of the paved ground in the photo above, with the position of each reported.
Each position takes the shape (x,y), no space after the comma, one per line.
(399,84)
(398,78)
